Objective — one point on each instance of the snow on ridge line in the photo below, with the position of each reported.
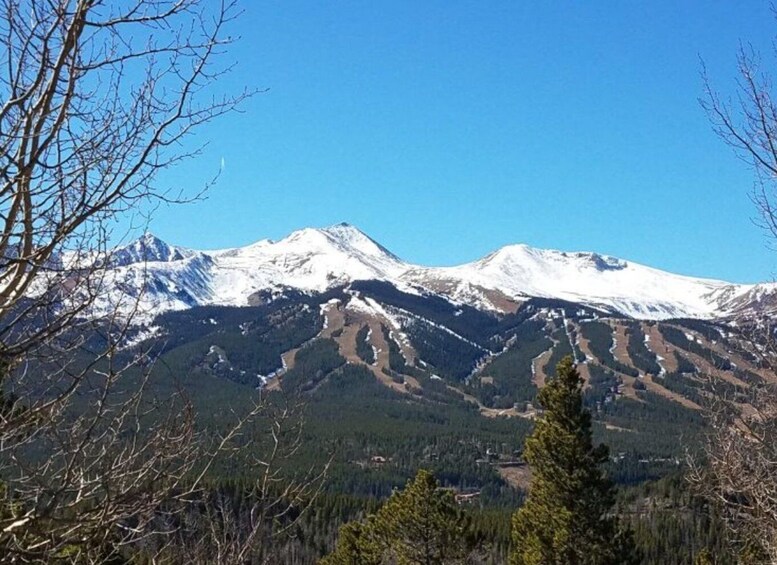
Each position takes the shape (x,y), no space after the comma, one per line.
(315,260)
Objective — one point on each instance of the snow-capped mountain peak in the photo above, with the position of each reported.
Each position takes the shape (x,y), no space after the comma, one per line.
(526,257)
(343,238)
(520,272)
(317,259)
(310,259)
(147,248)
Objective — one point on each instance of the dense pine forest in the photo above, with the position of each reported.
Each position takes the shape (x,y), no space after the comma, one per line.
(378,441)
(374,437)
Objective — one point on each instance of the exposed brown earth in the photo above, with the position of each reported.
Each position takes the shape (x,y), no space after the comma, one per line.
(484,410)
(628,389)
(621,352)
(657,345)
(335,319)
(450,287)
(585,371)
(539,377)
(538,364)
(500,300)
(666,350)
(382,359)
(704,365)
(517,476)
(288,363)
(493,412)
(584,344)
(585,374)
(582,368)
(273,384)
(653,386)
(350,322)
(346,342)
(346,323)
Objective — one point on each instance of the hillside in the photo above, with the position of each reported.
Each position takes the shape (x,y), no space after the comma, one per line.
(400,367)
(414,377)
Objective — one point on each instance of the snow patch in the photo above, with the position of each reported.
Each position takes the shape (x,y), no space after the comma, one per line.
(145,332)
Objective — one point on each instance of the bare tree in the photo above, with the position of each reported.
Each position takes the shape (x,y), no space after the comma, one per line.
(738,470)
(98,97)
(748,124)
(255,524)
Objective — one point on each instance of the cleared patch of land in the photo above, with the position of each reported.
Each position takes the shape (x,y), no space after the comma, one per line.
(515,475)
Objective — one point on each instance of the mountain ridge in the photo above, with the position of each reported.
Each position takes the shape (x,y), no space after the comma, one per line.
(167,277)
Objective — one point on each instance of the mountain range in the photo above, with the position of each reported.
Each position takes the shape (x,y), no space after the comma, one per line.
(165,277)
(370,341)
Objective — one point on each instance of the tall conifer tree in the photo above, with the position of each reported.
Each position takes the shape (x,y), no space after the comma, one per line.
(567,518)
(420,525)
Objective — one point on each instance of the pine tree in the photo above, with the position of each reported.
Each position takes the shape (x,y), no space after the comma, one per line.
(567,518)
(704,557)
(420,525)
(354,547)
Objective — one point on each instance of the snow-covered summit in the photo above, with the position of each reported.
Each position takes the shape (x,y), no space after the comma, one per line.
(309,259)
(520,271)
(317,259)
(529,259)
(147,248)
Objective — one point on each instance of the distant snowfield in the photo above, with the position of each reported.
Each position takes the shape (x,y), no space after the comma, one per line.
(164,277)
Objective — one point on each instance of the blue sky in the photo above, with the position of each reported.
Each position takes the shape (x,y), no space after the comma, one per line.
(448,129)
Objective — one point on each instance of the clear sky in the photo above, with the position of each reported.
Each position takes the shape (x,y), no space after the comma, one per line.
(447,129)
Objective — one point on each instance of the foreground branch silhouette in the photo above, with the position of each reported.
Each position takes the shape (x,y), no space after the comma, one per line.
(736,469)
(98,97)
